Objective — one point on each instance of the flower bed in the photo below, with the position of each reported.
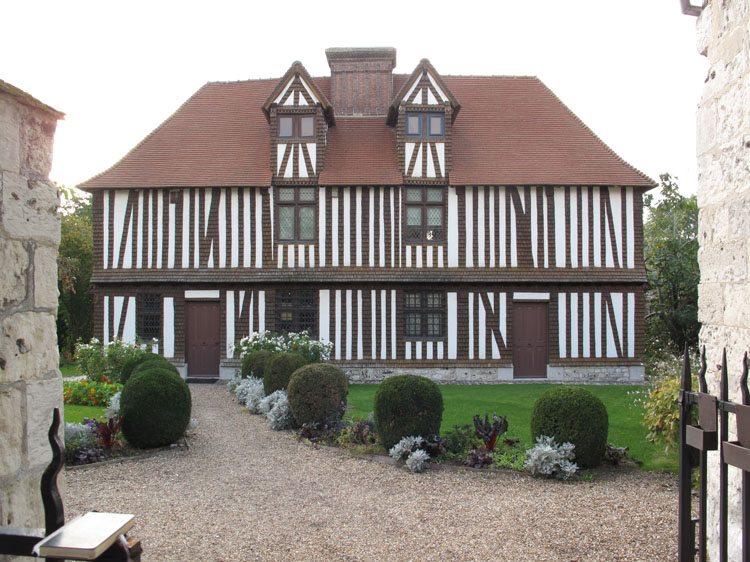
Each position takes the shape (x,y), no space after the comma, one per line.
(89,393)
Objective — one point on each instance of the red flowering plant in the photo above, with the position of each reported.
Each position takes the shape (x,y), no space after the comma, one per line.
(89,393)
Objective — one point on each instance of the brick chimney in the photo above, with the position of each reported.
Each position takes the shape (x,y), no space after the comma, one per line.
(361,80)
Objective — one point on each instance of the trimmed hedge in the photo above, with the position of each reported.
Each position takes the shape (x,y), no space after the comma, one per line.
(316,392)
(278,370)
(407,405)
(575,415)
(129,366)
(155,408)
(160,363)
(254,364)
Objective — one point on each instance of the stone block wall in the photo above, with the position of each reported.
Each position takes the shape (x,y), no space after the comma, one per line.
(30,382)
(723,148)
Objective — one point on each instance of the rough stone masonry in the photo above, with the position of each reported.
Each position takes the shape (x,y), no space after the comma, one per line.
(723,148)
(30,382)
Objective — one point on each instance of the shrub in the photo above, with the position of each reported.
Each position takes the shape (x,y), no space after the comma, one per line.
(267,404)
(132,363)
(155,408)
(89,393)
(315,392)
(149,364)
(280,416)
(314,350)
(407,405)
(96,360)
(547,458)
(574,415)
(250,390)
(254,364)
(417,460)
(279,369)
(460,439)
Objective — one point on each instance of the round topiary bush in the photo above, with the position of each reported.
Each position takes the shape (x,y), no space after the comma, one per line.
(253,364)
(573,415)
(133,362)
(315,392)
(407,405)
(278,369)
(159,363)
(154,408)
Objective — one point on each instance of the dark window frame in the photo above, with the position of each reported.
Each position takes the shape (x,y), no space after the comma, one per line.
(297,203)
(148,316)
(424,125)
(296,126)
(424,204)
(296,310)
(422,312)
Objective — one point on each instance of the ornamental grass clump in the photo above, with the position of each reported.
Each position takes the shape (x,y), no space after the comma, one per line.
(573,415)
(407,405)
(547,458)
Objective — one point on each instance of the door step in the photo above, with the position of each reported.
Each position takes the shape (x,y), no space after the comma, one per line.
(201,380)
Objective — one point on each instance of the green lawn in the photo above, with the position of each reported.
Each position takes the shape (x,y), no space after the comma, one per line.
(75,414)
(69,370)
(515,401)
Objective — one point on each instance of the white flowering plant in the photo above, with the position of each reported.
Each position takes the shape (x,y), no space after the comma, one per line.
(103,362)
(292,342)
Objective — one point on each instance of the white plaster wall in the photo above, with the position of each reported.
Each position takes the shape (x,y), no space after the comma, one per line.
(723,149)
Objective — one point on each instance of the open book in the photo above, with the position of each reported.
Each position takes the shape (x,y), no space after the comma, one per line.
(86,536)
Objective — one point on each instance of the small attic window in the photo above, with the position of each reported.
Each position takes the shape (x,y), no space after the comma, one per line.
(297,126)
(425,125)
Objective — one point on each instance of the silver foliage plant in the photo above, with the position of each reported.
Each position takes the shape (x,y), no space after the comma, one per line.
(280,415)
(417,460)
(78,435)
(113,410)
(244,387)
(267,404)
(254,396)
(409,448)
(547,458)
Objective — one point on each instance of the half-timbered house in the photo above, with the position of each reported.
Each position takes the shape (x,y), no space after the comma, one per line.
(470,228)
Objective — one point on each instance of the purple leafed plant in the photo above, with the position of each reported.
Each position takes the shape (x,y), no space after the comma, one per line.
(489,432)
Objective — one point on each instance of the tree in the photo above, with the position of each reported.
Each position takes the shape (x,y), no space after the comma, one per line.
(75,310)
(671,255)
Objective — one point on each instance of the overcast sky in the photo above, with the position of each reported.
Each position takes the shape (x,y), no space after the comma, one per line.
(629,69)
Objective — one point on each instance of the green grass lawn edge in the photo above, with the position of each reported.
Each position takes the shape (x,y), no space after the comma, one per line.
(75,414)
(516,401)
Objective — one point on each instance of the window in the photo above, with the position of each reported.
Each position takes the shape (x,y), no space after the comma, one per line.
(297,126)
(148,317)
(424,214)
(424,314)
(425,125)
(296,311)
(296,214)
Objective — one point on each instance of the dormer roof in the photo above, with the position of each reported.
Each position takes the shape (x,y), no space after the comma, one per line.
(437,91)
(308,94)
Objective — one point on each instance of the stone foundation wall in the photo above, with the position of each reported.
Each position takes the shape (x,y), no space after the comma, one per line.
(723,148)
(30,383)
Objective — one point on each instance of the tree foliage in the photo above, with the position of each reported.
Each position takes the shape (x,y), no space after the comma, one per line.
(671,255)
(75,310)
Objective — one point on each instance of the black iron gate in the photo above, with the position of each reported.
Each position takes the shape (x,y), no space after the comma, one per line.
(712,434)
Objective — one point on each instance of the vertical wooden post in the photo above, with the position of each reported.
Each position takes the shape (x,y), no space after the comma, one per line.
(686,543)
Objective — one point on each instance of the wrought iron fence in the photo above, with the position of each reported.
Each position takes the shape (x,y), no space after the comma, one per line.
(712,434)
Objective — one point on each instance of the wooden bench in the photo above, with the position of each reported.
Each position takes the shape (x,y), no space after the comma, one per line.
(21,542)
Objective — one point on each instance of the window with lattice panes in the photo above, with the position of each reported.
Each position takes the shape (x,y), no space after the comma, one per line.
(297,311)
(296,214)
(425,213)
(148,317)
(424,314)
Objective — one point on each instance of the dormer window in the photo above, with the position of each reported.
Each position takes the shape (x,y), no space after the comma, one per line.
(296,126)
(425,125)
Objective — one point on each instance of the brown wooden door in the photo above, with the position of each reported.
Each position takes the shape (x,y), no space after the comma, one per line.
(530,340)
(203,332)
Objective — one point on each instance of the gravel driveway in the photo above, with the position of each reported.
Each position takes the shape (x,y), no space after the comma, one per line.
(245,492)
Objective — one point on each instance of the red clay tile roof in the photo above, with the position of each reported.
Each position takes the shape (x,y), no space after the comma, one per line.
(361,150)
(511,131)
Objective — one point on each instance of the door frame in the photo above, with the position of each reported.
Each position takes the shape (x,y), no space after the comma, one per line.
(534,299)
(202,297)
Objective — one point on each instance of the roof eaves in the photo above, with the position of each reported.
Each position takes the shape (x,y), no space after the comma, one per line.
(29,100)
